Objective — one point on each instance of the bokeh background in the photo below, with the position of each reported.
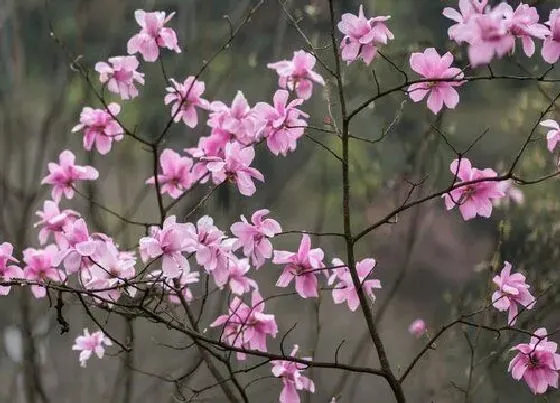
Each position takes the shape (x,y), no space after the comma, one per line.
(442,265)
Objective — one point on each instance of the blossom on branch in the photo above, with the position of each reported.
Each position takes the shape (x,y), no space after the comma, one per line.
(65,174)
(475,198)
(536,362)
(8,272)
(512,291)
(247,326)
(301,266)
(153,35)
(293,380)
(169,242)
(254,237)
(100,127)
(88,343)
(297,74)
(282,123)
(344,290)
(176,176)
(362,36)
(40,266)
(553,135)
(120,74)
(186,97)
(431,65)
(551,45)
(52,221)
(417,328)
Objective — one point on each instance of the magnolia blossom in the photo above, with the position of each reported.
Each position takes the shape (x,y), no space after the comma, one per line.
(536,362)
(186,97)
(301,266)
(212,248)
(235,276)
(153,35)
(236,122)
(283,125)
(52,221)
(468,9)
(111,270)
(179,285)
(176,176)
(344,290)
(88,343)
(551,45)
(417,328)
(8,272)
(39,267)
(169,242)
(235,167)
(553,135)
(362,36)
(76,246)
(247,326)
(523,23)
(120,75)
(475,198)
(100,127)
(65,174)
(512,291)
(297,74)
(431,65)
(293,380)
(254,237)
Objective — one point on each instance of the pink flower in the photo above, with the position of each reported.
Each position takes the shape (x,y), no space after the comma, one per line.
(417,328)
(467,10)
(65,174)
(551,46)
(212,249)
(301,266)
(431,65)
(254,237)
(168,242)
(185,279)
(8,272)
(39,267)
(247,326)
(235,167)
(52,221)
(524,24)
(537,362)
(176,176)
(110,271)
(186,97)
(120,75)
(512,291)
(297,74)
(489,35)
(76,247)
(100,127)
(362,36)
(236,122)
(283,125)
(553,135)
(293,380)
(237,278)
(153,35)
(344,290)
(475,198)
(91,343)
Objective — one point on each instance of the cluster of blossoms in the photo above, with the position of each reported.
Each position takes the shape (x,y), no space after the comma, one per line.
(227,155)
(493,31)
